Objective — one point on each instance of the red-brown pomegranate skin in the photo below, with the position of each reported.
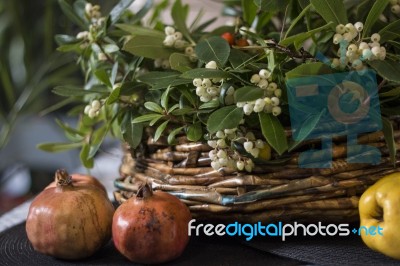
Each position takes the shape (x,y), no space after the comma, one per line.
(151,227)
(68,221)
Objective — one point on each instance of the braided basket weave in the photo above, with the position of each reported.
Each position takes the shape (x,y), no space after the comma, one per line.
(277,191)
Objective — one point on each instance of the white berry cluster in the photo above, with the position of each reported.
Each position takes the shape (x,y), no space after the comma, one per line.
(174,38)
(395,7)
(92,12)
(92,110)
(271,100)
(189,51)
(223,156)
(352,50)
(162,63)
(210,89)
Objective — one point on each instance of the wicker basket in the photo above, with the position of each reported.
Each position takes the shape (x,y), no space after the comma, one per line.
(277,191)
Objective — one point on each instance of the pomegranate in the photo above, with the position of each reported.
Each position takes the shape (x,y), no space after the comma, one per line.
(79,180)
(151,227)
(70,220)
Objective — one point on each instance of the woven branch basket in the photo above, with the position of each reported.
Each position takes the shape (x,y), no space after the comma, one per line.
(273,192)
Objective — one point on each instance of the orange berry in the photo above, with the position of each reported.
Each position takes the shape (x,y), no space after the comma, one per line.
(242,43)
(229,38)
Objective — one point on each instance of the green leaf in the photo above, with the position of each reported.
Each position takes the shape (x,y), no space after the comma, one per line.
(388,133)
(131,132)
(69,47)
(173,107)
(118,10)
(110,48)
(373,15)
(297,19)
(273,132)
(271,5)
(160,130)
(249,11)
(145,118)
(180,62)
(102,75)
(69,12)
(97,139)
(136,30)
(224,118)
(70,90)
(248,93)
(390,32)
(195,132)
(391,93)
(114,96)
(331,11)
(179,14)
(62,39)
(153,107)
(239,58)
(162,80)
(211,104)
(79,7)
(300,38)
(84,156)
(154,121)
(388,69)
(147,46)
(310,69)
(205,73)
(165,98)
(58,146)
(183,111)
(71,133)
(213,49)
(307,127)
(155,77)
(172,135)
(114,73)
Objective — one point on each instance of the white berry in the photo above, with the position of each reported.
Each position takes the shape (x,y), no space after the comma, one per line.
(211,65)
(96,105)
(375,37)
(197,82)
(264,73)
(395,9)
(248,146)
(340,29)
(169,30)
(178,35)
(276,110)
(87,109)
(359,26)
(215,165)
(337,38)
(240,165)
(263,83)
(212,143)
(255,79)
(275,101)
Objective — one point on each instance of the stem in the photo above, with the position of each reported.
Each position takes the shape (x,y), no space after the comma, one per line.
(62,178)
(145,191)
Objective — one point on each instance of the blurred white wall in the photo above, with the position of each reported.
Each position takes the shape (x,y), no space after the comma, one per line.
(211,8)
